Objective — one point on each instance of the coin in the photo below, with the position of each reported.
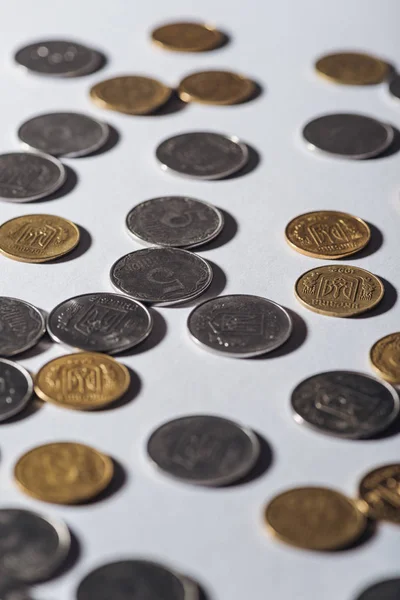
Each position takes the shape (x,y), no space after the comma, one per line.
(21,326)
(385,357)
(100,322)
(83,381)
(131,94)
(215,87)
(38,238)
(388,589)
(16,388)
(315,518)
(187,37)
(239,325)
(58,58)
(28,176)
(203,450)
(175,222)
(339,291)
(327,234)
(163,276)
(380,489)
(348,135)
(202,155)
(345,404)
(352,68)
(394,86)
(63,472)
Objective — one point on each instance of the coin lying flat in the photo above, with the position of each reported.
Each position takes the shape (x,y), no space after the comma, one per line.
(187,37)
(175,222)
(63,472)
(28,176)
(345,404)
(38,238)
(21,326)
(380,489)
(58,58)
(215,87)
(385,357)
(239,325)
(339,291)
(16,388)
(327,234)
(202,155)
(388,589)
(131,94)
(204,450)
(315,518)
(352,68)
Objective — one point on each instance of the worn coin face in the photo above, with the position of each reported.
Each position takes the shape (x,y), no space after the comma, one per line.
(38,238)
(163,276)
(345,404)
(348,135)
(352,68)
(385,357)
(63,472)
(388,589)
(16,388)
(202,155)
(380,489)
(100,322)
(187,37)
(174,222)
(327,234)
(204,450)
(28,176)
(239,325)
(216,87)
(315,518)
(21,326)
(58,58)
(131,94)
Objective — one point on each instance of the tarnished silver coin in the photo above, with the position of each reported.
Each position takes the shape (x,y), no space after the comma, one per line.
(27,176)
(394,87)
(345,404)
(204,450)
(239,325)
(348,135)
(163,276)
(58,58)
(202,155)
(174,222)
(16,388)
(100,322)
(21,326)
(32,547)
(388,589)
(64,134)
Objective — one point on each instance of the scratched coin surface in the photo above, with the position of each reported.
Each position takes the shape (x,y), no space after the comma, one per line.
(315,518)
(327,234)
(59,58)
(21,326)
(216,87)
(385,357)
(131,94)
(38,238)
(380,489)
(345,404)
(187,37)
(163,276)
(204,450)
(82,380)
(28,176)
(202,155)
(63,472)
(348,135)
(339,291)
(388,589)
(175,222)
(352,68)
(16,388)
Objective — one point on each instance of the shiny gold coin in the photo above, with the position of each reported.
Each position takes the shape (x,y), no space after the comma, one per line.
(215,87)
(315,518)
(131,94)
(385,357)
(38,238)
(187,37)
(352,68)
(63,472)
(380,490)
(327,234)
(339,290)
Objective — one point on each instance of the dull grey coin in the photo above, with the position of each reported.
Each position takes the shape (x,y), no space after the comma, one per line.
(16,388)
(204,450)
(239,325)
(345,404)
(27,176)
(349,135)
(32,547)
(202,155)
(388,589)
(174,222)
(163,276)
(58,58)
(21,326)
(100,322)
(394,87)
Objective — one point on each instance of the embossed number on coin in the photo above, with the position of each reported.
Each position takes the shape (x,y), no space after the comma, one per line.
(21,326)
(28,176)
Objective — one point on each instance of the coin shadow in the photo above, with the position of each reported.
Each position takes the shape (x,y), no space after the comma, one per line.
(157,334)
(365,538)
(33,406)
(113,139)
(391,431)
(71,181)
(216,288)
(131,393)
(174,105)
(253,162)
(228,232)
(388,301)
(72,558)
(373,245)
(393,148)
(296,339)
(118,481)
(85,242)
(258,91)
(262,465)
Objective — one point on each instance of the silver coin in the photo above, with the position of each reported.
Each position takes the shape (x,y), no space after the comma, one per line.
(394,87)
(58,58)
(174,222)
(64,134)
(388,589)
(345,404)
(21,326)
(100,322)
(204,450)
(16,388)
(202,155)
(349,135)
(27,176)
(239,325)
(162,276)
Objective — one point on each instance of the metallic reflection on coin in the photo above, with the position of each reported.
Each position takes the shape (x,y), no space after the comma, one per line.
(352,68)
(380,490)
(394,87)
(16,388)
(59,58)
(345,404)
(385,357)
(384,590)
(221,88)
(21,326)
(187,37)
(131,94)
(27,176)
(202,155)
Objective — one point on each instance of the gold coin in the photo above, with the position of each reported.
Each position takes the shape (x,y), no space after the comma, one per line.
(339,290)
(130,94)
(215,87)
(380,490)
(327,234)
(37,238)
(63,472)
(385,357)
(315,518)
(83,381)
(187,37)
(352,68)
